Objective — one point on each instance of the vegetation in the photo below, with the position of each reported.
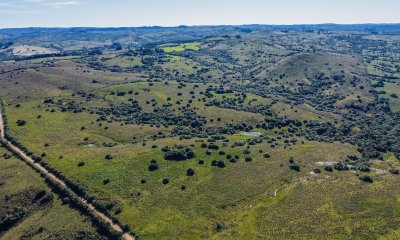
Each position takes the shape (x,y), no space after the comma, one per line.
(238,132)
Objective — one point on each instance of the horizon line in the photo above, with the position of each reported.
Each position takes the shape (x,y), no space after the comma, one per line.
(207,25)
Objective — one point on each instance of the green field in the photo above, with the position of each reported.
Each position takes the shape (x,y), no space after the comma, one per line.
(182,47)
(19,184)
(392,88)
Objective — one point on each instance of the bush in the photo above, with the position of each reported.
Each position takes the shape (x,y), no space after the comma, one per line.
(190,172)
(213,147)
(12,217)
(341,166)
(179,155)
(295,167)
(81,164)
(328,168)
(221,164)
(165,181)
(317,170)
(367,179)
(153,166)
(21,122)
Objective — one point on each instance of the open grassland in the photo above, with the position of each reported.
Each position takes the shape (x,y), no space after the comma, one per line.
(392,90)
(182,47)
(189,209)
(239,197)
(19,187)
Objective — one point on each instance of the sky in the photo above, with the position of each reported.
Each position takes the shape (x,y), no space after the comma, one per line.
(130,13)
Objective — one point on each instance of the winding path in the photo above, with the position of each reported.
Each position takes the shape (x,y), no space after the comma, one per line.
(39,167)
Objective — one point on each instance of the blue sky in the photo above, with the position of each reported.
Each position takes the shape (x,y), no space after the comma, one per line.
(112,13)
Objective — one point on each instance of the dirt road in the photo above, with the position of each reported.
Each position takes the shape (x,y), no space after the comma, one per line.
(29,160)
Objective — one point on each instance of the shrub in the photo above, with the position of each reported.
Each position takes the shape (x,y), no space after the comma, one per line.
(21,122)
(190,172)
(81,164)
(295,167)
(221,164)
(213,147)
(165,181)
(179,155)
(317,170)
(328,168)
(367,179)
(153,166)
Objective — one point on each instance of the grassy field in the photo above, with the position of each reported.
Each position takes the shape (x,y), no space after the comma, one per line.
(392,88)
(19,185)
(182,47)
(238,197)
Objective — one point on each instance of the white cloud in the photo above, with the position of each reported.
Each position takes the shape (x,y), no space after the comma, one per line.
(33,1)
(61,4)
(54,4)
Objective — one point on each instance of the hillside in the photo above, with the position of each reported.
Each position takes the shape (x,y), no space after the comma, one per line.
(222,132)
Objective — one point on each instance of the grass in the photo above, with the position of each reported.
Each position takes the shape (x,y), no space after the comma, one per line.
(182,47)
(212,196)
(259,199)
(391,88)
(18,180)
(124,62)
(239,197)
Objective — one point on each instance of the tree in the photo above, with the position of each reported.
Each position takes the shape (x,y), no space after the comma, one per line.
(295,167)
(165,181)
(21,122)
(153,166)
(81,164)
(328,168)
(221,164)
(317,170)
(367,179)
(190,172)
